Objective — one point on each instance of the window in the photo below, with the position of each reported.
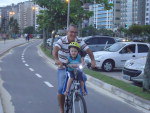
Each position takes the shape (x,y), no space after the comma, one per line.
(129,49)
(91,41)
(118,2)
(142,48)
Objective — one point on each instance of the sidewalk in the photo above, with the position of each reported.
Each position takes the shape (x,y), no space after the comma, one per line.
(4,48)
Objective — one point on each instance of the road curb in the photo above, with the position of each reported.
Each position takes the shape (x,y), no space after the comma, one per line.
(126,96)
(7,50)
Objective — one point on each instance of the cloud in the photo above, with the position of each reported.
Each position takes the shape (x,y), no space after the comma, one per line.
(9,2)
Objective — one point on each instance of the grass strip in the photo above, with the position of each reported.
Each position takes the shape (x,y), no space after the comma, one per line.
(120,84)
(46,51)
(110,80)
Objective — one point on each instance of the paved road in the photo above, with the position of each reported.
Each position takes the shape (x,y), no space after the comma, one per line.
(31,85)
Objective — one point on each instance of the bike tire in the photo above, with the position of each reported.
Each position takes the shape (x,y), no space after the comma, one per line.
(79,104)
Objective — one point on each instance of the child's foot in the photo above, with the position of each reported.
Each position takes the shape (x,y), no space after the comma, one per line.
(66,93)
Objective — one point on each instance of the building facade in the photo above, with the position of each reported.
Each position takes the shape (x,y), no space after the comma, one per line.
(103,18)
(147,12)
(132,12)
(25,13)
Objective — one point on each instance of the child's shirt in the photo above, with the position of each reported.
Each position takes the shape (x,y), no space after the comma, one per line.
(76,60)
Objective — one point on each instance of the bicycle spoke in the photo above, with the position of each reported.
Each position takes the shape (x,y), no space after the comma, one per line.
(79,105)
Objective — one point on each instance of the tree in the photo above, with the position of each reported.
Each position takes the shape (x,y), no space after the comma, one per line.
(29,30)
(54,15)
(88,31)
(136,29)
(146,77)
(13,27)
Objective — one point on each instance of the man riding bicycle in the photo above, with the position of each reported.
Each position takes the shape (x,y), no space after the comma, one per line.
(60,54)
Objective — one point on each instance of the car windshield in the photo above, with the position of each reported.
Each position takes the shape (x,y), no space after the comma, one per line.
(115,47)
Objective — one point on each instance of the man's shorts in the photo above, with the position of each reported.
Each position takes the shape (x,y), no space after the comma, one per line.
(61,73)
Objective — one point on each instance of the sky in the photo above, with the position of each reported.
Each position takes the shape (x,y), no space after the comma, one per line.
(9,2)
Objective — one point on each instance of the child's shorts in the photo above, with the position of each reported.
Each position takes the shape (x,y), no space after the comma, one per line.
(72,75)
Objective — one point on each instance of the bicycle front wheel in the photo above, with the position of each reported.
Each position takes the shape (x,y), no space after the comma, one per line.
(79,104)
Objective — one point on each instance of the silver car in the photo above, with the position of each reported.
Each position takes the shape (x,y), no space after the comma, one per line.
(98,43)
(134,69)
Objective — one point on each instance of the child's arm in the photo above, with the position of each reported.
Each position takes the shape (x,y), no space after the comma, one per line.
(82,61)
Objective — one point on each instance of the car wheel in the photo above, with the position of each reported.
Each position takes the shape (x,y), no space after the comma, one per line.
(107,66)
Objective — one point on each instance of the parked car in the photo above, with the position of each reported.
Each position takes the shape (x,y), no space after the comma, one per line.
(98,43)
(121,40)
(138,39)
(116,55)
(49,41)
(134,69)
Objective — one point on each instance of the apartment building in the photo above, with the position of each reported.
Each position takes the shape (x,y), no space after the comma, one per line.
(147,12)
(24,12)
(102,18)
(132,12)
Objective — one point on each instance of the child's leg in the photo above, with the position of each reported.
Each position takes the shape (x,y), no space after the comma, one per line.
(82,86)
(68,85)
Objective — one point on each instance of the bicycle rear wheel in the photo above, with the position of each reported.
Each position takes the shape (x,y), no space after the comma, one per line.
(79,104)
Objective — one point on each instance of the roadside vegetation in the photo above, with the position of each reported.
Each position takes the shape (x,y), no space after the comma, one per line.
(110,80)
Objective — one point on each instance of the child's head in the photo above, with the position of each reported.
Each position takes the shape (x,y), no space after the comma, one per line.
(74,48)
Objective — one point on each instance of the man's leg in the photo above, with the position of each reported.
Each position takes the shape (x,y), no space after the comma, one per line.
(61,101)
(61,81)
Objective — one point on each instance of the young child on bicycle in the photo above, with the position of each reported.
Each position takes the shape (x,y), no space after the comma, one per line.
(74,60)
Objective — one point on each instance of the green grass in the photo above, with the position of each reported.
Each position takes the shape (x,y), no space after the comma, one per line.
(110,80)
(120,84)
(46,51)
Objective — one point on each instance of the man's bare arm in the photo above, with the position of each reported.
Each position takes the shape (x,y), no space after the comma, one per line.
(90,53)
(55,52)
(55,55)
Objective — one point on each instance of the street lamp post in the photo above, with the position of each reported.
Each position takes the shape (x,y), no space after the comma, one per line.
(34,8)
(68,14)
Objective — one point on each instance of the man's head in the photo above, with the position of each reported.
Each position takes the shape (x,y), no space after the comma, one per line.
(72,33)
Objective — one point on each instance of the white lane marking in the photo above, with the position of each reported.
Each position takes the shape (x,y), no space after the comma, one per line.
(31,69)
(48,84)
(38,75)
(23,61)
(22,56)
(26,65)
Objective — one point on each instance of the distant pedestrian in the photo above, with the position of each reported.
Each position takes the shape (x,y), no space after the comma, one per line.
(4,37)
(28,37)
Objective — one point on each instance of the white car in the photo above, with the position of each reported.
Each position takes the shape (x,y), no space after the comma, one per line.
(134,69)
(116,55)
(49,41)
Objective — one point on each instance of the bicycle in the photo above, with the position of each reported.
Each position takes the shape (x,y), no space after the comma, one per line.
(75,102)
